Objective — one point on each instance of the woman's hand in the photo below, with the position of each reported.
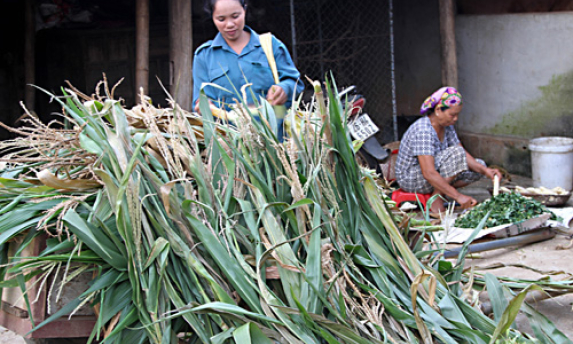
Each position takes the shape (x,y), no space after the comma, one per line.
(466,201)
(196,107)
(276,95)
(492,172)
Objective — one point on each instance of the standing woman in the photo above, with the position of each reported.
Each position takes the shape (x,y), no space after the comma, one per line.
(235,57)
(431,158)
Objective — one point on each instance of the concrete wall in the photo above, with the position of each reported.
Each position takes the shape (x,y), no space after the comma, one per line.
(516,74)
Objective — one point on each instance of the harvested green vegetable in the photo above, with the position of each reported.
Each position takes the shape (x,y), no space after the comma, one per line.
(204,233)
(503,209)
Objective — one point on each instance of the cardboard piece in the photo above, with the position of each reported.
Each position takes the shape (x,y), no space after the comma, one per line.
(459,235)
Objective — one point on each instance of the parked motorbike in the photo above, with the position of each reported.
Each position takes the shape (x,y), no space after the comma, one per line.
(361,127)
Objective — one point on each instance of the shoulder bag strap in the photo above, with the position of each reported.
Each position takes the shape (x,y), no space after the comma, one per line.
(267,45)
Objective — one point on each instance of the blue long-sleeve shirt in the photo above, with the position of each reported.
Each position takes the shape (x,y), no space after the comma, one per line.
(215,62)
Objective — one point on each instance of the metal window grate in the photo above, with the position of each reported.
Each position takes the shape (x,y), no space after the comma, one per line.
(353,40)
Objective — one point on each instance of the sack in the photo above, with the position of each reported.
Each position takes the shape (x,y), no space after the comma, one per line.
(294,121)
(267,45)
(389,167)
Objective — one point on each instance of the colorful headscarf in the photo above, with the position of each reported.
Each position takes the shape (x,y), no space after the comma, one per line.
(444,97)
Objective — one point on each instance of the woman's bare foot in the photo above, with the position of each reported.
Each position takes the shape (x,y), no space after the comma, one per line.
(437,205)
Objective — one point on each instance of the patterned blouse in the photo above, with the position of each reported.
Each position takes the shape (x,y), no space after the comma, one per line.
(420,139)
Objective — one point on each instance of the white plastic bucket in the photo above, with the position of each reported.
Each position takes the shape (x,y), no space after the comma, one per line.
(552,162)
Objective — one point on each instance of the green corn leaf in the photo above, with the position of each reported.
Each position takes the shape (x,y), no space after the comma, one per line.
(497,299)
(220,338)
(545,331)
(510,313)
(249,333)
(94,239)
(225,262)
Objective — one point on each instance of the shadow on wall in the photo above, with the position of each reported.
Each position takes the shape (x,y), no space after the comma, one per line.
(551,114)
(510,153)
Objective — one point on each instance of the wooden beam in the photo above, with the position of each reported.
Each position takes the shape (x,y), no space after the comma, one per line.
(29,55)
(448,43)
(181,52)
(141,47)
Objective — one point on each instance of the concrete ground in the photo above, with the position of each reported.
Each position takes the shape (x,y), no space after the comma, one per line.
(547,256)
(9,337)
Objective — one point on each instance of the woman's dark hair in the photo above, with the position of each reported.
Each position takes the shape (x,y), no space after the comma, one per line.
(432,110)
(210,5)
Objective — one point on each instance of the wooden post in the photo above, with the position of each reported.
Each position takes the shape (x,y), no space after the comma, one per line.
(181,53)
(141,47)
(448,43)
(29,56)
(17,319)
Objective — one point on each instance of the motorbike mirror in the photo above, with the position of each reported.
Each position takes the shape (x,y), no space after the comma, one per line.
(345,91)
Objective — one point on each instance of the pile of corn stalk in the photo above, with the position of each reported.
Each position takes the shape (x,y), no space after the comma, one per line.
(198,231)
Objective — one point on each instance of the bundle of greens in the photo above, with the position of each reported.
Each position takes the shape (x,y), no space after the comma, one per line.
(505,208)
(196,231)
